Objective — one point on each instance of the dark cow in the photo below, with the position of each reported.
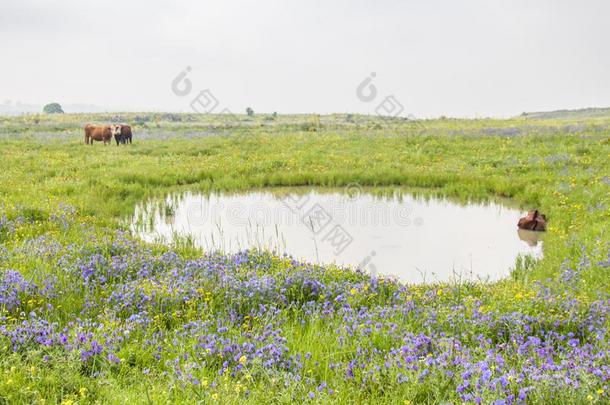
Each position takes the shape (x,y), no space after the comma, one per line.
(533,221)
(98,133)
(122,134)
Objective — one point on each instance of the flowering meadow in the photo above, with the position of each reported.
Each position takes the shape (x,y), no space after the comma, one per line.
(90,314)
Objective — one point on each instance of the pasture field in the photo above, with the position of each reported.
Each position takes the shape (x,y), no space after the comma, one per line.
(89,314)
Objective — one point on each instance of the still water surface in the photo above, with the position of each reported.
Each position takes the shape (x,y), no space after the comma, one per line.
(413,238)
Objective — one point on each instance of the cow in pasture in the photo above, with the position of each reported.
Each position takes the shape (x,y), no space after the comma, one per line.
(98,133)
(533,221)
(122,134)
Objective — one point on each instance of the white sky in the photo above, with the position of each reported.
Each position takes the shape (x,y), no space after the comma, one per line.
(458,58)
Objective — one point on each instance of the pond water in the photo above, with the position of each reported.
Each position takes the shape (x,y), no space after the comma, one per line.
(412,238)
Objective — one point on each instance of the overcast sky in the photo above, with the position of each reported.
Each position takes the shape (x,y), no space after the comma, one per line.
(457,58)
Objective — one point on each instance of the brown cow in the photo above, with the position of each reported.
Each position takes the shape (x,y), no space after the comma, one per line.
(533,221)
(98,133)
(122,134)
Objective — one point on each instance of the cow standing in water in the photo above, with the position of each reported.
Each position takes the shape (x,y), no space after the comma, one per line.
(122,134)
(98,133)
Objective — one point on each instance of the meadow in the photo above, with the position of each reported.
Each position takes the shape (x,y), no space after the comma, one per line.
(90,314)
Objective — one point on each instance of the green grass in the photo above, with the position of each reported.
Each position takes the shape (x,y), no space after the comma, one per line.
(560,174)
(44,164)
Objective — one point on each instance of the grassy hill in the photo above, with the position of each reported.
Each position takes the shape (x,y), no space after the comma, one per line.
(582,113)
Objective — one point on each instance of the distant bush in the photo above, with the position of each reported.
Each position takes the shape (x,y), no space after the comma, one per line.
(271,117)
(313,124)
(52,108)
(141,119)
(250,112)
(118,118)
(171,117)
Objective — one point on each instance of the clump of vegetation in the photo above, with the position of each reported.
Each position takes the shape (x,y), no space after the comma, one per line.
(313,123)
(52,108)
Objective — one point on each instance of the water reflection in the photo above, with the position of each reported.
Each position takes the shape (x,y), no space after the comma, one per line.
(532,238)
(413,238)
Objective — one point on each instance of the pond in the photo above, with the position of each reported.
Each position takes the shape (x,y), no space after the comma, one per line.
(410,237)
